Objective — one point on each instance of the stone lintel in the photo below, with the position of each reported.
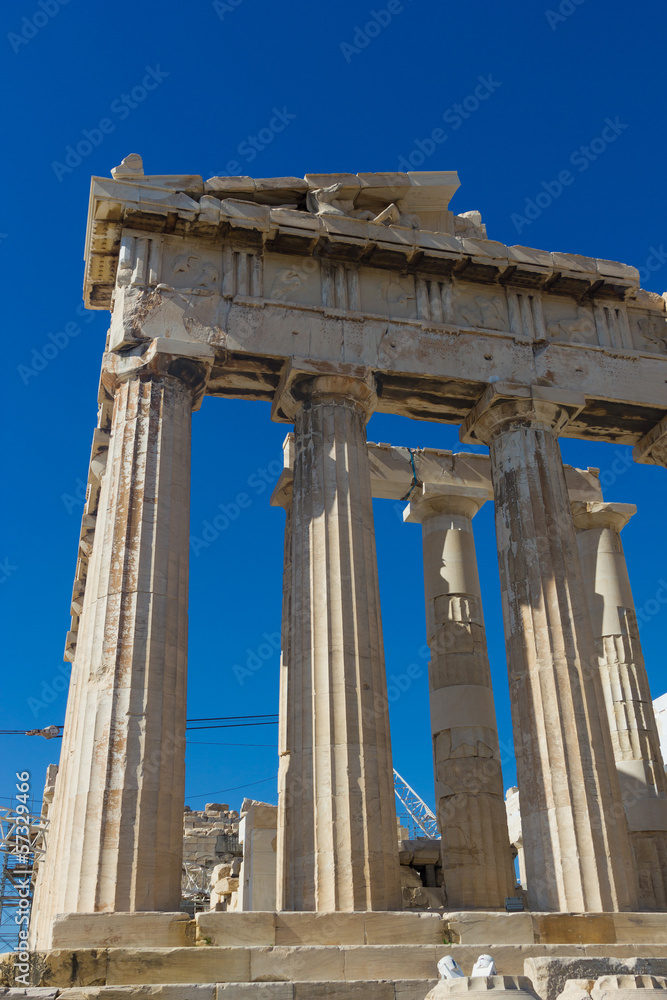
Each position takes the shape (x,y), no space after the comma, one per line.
(594,514)
(502,403)
(652,448)
(437,471)
(298,379)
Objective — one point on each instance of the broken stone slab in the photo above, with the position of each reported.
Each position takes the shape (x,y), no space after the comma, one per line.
(483,986)
(577,989)
(236,209)
(264,190)
(625,987)
(29,992)
(117,930)
(550,974)
(226,886)
(172,991)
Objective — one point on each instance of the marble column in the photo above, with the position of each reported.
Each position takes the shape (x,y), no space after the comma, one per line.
(470,806)
(338,838)
(577,849)
(634,731)
(116,823)
(282,497)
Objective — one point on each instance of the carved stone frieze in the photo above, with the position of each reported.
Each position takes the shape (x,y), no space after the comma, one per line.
(481,308)
(440,310)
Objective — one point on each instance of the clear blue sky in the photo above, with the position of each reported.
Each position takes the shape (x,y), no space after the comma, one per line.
(351,101)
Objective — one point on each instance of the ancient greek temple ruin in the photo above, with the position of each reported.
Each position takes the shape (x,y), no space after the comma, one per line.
(334,297)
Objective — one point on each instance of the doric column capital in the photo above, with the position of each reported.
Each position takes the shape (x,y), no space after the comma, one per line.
(283,491)
(587,515)
(304,382)
(162,358)
(652,448)
(503,405)
(430,502)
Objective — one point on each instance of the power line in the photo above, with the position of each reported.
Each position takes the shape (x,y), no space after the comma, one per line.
(217,722)
(221,791)
(234,725)
(206,743)
(228,718)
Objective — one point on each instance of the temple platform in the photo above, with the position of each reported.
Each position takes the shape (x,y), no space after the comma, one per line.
(388,956)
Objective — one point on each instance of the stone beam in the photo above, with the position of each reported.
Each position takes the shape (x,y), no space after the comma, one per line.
(399,473)
(372,270)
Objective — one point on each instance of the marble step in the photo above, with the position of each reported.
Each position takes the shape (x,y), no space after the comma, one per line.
(203,964)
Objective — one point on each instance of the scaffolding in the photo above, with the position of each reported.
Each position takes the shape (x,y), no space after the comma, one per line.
(17,872)
(420,820)
(195,887)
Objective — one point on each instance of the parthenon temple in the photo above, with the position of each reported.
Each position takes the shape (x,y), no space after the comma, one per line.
(334,297)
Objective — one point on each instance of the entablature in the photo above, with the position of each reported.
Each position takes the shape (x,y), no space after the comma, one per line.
(343,269)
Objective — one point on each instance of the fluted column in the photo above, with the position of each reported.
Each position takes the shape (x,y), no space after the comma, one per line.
(116,830)
(338,837)
(634,732)
(470,805)
(578,855)
(282,497)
